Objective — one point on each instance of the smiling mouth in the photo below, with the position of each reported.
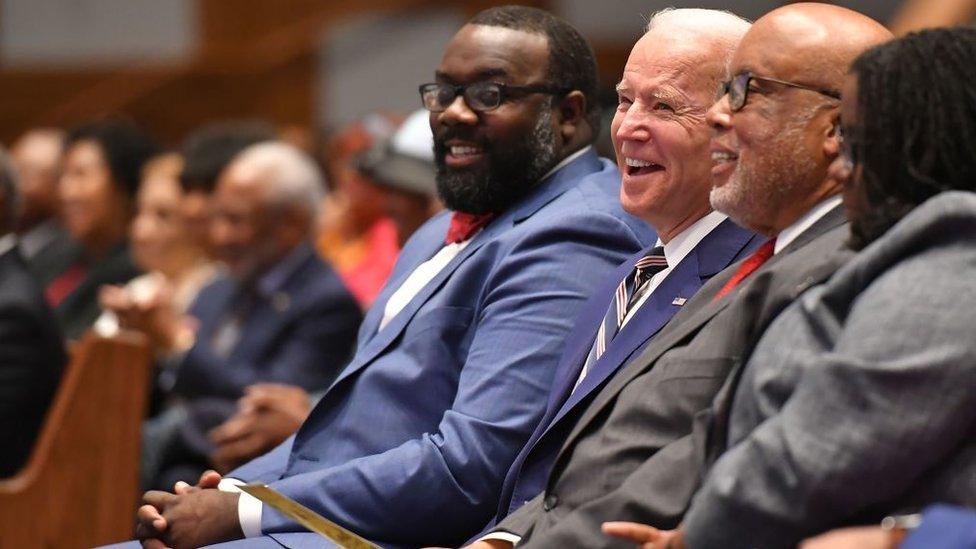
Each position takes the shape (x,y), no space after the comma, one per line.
(641,167)
(721,157)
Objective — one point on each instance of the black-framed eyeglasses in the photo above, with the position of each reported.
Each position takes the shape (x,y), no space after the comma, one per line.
(480,96)
(738,89)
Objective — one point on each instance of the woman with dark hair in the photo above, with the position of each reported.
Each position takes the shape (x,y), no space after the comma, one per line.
(102,166)
(858,400)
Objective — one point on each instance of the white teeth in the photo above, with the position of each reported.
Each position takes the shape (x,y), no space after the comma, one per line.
(457,150)
(634,163)
(723,156)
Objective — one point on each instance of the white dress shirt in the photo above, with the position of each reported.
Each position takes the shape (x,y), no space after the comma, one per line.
(789,234)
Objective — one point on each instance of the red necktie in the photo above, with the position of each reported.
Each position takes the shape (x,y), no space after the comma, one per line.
(748,267)
(65,283)
(464,225)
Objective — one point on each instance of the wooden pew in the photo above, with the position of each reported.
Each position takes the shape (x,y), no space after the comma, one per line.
(80,485)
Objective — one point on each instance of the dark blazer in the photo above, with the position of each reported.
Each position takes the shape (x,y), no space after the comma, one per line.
(631,456)
(411,443)
(32,357)
(726,244)
(302,335)
(80,309)
(57,253)
(858,401)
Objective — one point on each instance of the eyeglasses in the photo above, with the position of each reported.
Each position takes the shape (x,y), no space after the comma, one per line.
(480,96)
(738,89)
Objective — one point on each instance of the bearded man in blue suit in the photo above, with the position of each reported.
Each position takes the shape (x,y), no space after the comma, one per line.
(455,360)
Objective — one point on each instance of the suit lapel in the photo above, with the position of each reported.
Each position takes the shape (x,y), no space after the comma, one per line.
(546,191)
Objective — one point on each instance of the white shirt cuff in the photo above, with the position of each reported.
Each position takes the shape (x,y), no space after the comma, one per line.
(502,536)
(248,507)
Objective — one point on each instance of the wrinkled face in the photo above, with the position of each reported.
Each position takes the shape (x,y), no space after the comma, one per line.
(488,160)
(766,157)
(244,228)
(660,136)
(158,234)
(90,202)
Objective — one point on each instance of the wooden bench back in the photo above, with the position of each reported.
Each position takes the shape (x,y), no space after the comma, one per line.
(80,486)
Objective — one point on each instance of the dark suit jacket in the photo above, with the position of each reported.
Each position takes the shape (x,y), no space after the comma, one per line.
(858,401)
(80,309)
(31,360)
(726,244)
(632,454)
(56,254)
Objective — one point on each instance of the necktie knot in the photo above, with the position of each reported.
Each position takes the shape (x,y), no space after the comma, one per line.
(465,225)
(649,265)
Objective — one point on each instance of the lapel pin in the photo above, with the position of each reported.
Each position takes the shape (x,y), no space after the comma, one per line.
(679,301)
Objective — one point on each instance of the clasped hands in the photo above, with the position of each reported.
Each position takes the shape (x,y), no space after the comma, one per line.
(192,516)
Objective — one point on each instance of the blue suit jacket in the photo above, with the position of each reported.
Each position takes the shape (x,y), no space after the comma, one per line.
(412,441)
(944,527)
(725,245)
(301,336)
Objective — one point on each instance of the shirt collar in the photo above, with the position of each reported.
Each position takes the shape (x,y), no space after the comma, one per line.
(565,161)
(7,242)
(273,280)
(38,236)
(790,233)
(684,242)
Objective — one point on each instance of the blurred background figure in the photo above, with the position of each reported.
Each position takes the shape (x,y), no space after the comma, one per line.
(277,312)
(175,261)
(31,348)
(404,167)
(103,162)
(355,236)
(206,152)
(37,157)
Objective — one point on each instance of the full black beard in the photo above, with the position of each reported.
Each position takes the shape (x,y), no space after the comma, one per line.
(509,174)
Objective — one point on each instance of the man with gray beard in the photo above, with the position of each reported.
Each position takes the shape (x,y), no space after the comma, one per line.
(456,357)
(635,453)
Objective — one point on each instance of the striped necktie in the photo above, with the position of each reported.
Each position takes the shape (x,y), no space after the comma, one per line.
(627,294)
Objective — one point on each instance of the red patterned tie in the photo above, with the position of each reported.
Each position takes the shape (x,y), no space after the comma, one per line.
(464,225)
(748,267)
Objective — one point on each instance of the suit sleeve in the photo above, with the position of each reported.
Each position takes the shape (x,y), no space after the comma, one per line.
(842,441)
(527,307)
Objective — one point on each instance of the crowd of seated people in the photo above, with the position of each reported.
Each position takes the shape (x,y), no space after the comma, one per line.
(754,329)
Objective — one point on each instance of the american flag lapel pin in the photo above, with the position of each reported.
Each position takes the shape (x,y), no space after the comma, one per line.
(679,301)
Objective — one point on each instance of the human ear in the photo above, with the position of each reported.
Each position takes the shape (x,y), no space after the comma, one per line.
(570,112)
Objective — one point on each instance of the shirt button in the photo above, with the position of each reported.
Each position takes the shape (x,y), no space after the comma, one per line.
(550,502)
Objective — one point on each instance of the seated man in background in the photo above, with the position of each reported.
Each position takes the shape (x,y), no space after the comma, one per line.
(278,314)
(454,362)
(269,413)
(31,347)
(858,401)
(631,452)
(37,157)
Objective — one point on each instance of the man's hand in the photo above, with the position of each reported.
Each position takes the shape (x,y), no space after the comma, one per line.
(150,521)
(267,414)
(196,518)
(645,537)
(154,315)
(864,537)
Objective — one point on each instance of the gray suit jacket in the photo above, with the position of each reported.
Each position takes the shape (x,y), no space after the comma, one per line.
(632,455)
(859,399)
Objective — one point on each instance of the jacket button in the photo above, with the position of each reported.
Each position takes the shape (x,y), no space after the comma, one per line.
(550,502)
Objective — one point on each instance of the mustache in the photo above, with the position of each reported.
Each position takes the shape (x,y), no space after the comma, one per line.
(441,139)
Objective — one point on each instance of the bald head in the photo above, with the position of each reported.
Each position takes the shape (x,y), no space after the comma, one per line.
(810,42)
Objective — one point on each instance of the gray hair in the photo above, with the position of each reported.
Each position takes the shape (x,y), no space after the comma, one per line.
(722,26)
(9,193)
(294,178)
